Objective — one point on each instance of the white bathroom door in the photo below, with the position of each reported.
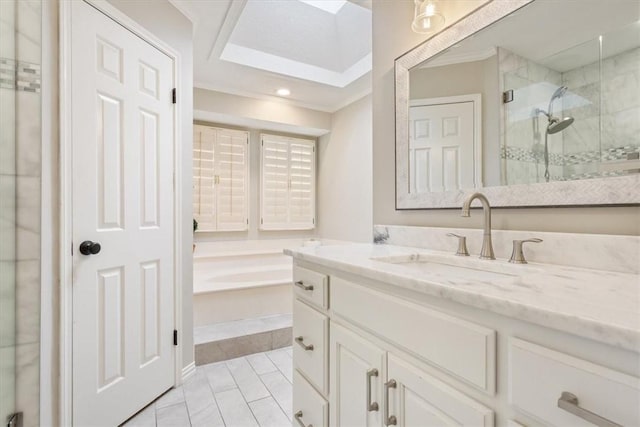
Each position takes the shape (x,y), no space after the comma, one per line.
(122,192)
(441,147)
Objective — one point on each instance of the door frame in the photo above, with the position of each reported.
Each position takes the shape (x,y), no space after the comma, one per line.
(66,180)
(476,99)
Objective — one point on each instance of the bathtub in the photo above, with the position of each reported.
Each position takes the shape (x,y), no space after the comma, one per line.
(241,280)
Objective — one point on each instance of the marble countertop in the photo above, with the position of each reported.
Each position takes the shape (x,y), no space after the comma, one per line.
(600,305)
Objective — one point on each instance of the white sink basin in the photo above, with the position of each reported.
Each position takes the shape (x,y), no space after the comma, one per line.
(466,268)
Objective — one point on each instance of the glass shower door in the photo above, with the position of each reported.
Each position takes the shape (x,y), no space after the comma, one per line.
(7,213)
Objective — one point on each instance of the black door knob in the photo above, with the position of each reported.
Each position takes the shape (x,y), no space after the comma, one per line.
(89,248)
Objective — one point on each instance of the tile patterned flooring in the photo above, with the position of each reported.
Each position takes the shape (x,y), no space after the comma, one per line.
(250,391)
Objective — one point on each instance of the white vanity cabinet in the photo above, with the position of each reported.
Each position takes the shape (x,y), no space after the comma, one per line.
(357,372)
(418,399)
(382,356)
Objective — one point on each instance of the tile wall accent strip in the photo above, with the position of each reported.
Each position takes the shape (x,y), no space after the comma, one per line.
(527,155)
(19,75)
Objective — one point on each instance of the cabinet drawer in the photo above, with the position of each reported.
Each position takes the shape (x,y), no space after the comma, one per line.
(309,407)
(538,376)
(310,334)
(463,349)
(311,286)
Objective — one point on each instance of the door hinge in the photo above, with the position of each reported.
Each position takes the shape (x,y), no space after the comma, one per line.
(247,221)
(507,96)
(174,96)
(175,337)
(261,221)
(313,220)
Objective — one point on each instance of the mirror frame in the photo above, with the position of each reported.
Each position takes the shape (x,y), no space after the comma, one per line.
(609,191)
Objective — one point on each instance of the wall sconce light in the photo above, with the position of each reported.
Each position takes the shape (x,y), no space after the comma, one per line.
(427,17)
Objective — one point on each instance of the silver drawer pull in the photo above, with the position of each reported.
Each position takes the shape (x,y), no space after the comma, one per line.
(389,420)
(371,406)
(302,286)
(569,402)
(300,341)
(298,417)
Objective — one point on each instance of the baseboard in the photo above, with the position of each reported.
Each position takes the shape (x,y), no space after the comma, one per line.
(188,370)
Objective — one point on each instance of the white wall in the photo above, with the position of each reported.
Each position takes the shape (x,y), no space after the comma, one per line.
(253,113)
(392,36)
(162,19)
(345,174)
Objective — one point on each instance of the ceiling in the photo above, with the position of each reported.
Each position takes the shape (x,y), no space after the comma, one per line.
(320,50)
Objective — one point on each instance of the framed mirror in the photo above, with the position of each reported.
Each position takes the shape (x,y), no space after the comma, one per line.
(532,102)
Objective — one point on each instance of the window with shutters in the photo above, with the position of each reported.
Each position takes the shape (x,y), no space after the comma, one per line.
(288,183)
(220,179)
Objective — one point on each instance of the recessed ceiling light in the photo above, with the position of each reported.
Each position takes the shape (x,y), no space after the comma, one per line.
(283,92)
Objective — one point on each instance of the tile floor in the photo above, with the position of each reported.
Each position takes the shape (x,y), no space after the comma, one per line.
(249,391)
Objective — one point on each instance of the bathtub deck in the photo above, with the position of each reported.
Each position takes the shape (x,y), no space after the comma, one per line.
(223,341)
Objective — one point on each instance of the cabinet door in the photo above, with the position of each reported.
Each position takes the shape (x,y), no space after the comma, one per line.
(420,400)
(356,380)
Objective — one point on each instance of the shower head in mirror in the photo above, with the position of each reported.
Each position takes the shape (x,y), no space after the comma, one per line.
(559,93)
(557,125)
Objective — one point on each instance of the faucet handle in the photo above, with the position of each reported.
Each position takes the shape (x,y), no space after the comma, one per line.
(517,255)
(462,244)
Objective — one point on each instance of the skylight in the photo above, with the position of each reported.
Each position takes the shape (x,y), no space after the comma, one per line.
(331,6)
(293,39)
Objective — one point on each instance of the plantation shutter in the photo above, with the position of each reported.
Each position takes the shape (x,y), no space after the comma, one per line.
(220,179)
(232,186)
(302,185)
(275,184)
(204,203)
(288,183)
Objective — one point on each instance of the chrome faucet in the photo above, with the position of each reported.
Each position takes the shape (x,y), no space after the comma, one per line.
(487,246)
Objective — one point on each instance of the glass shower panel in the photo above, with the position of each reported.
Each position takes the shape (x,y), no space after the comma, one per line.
(7,211)
(552,126)
(523,144)
(575,114)
(620,85)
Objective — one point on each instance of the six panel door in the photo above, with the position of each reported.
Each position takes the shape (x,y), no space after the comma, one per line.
(122,144)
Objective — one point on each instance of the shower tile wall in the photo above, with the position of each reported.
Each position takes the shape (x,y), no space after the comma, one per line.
(522,129)
(614,134)
(20,166)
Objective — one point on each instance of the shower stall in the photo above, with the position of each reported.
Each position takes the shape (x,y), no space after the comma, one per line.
(20,169)
(573,115)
